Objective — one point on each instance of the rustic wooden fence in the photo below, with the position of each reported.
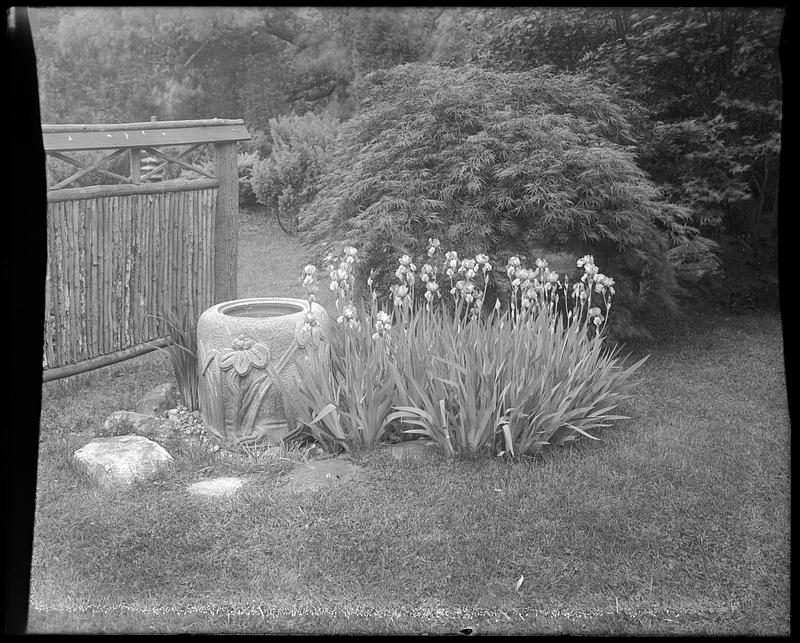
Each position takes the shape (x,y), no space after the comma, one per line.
(120,254)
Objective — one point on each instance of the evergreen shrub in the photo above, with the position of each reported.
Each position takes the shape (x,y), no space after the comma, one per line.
(287,179)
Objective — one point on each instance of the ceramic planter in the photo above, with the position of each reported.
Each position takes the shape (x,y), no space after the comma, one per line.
(247,352)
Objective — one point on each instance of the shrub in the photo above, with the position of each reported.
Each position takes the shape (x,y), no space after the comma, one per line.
(287,179)
(247,162)
(477,383)
(491,161)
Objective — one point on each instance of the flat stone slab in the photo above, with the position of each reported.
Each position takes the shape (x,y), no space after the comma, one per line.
(413,450)
(216,487)
(319,474)
(119,461)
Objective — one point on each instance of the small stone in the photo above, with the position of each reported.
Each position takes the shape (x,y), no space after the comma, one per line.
(129,422)
(216,487)
(119,461)
(158,400)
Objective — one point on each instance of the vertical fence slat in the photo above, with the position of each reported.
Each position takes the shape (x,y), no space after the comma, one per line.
(148,217)
(123,257)
(179,257)
(193,255)
(97,270)
(201,252)
(174,255)
(111,222)
(165,255)
(102,308)
(91,303)
(47,303)
(60,307)
(205,242)
(166,250)
(117,270)
(106,223)
(51,318)
(82,299)
(158,244)
(64,284)
(75,285)
(69,290)
(181,237)
(154,285)
(130,232)
(211,268)
(90,258)
(137,226)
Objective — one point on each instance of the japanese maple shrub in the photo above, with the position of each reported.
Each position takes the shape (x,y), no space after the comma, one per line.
(496,162)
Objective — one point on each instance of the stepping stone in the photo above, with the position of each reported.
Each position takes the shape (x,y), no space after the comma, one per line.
(216,487)
(319,474)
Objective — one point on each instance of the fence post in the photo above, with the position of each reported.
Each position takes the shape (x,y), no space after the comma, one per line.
(135,164)
(226,225)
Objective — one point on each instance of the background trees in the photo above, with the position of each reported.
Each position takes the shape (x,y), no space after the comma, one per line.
(126,64)
(709,80)
(698,91)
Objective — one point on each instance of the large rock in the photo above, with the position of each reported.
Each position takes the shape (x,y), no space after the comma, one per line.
(119,461)
(158,401)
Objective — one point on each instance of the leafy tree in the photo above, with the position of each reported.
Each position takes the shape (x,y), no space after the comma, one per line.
(708,77)
(498,162)
(127,63)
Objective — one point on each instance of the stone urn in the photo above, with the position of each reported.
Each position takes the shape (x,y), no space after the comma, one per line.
(247,353)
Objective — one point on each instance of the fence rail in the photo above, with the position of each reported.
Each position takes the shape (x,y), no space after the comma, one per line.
(120,255)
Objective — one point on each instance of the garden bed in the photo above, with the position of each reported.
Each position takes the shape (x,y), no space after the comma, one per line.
(676,522)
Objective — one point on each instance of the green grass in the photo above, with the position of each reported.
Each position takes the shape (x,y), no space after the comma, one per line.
(677,522)
(271,262)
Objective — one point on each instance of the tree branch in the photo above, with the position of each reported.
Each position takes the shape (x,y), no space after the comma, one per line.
(192,57)
(318,95)
(282,33)
(437,16)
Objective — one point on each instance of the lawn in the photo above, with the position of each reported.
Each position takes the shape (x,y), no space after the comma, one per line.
(677,522)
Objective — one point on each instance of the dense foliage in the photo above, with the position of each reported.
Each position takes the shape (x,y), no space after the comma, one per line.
(709,78)
(500,383)
(287,179)
(707,82)
(489,161)
(123,64)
